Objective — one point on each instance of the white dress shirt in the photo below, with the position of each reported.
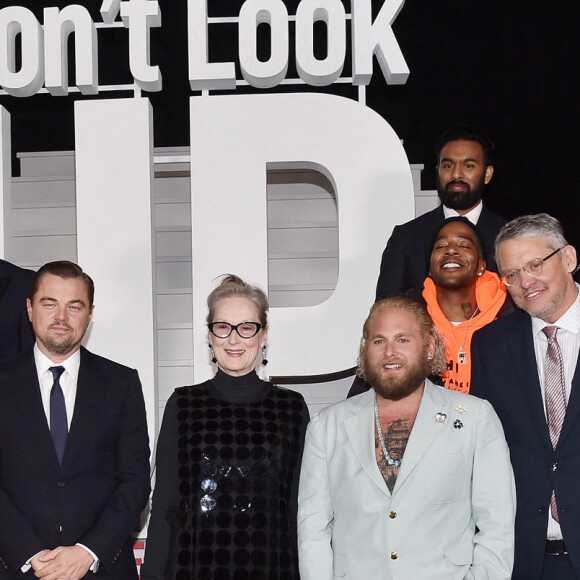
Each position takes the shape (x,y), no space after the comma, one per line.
(68,381)
(472,215)
(568,338)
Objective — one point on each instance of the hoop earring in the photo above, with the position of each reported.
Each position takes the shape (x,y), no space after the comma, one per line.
(264,359)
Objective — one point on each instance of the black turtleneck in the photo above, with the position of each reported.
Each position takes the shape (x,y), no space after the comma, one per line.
(244,389)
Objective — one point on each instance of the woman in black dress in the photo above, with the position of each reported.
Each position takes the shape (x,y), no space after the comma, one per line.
(228,460)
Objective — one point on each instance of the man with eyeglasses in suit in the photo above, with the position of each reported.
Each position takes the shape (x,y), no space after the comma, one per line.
(526,366)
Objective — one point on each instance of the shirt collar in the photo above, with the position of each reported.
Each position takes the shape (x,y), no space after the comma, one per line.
(71,364)
(569,321)
(472,215)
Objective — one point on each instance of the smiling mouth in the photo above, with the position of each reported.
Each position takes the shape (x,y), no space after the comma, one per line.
(452,265)
(533,294)
(234,352)
(393,366)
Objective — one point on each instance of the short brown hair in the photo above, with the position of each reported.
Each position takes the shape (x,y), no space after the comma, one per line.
(425,324)
(63,269)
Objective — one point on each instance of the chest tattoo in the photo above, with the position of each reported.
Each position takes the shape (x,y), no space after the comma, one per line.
(396,437)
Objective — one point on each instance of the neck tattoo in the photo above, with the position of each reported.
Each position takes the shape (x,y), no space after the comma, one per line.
(388,458)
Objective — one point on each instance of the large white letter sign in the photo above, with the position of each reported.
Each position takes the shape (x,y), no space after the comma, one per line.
(57,28)
(114,177)
(370,38)
(139,16)
(28,80)
(202,74)
(311,70)
(5,175)
(263,75)
(233,138)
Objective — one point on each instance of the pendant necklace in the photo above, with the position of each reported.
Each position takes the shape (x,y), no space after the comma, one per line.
(461,354)
(388,458)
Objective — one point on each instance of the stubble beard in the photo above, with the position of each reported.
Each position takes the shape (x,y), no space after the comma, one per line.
(397,387)
(60,347)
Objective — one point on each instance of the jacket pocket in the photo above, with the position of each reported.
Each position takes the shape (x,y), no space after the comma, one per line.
(461,555)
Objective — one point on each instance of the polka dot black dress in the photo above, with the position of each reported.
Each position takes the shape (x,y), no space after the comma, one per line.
(228,463)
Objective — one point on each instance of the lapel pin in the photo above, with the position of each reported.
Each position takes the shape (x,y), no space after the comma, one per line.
(441,417)
(458,424)
(461,409)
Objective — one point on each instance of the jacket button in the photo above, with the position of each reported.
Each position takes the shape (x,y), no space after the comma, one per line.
(392,515)
(542,510)
(61,484)
(394,555)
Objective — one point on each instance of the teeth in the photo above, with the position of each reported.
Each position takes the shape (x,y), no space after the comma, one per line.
(451,265)
(393,366)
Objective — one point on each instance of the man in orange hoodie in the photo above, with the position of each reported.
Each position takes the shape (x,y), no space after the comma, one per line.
(460,294)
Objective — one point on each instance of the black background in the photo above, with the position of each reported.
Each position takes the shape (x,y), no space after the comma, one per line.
(510,67)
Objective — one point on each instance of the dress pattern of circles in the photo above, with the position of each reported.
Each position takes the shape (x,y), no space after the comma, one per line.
(238,469)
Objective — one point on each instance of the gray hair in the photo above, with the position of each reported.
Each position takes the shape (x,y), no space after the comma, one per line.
(540,225)
(232,285)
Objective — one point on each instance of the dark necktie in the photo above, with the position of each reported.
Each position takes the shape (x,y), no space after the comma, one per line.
(58,422)
(555,393)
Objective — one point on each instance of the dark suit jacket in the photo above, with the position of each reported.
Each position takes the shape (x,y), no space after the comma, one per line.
(98,493)
(504,372)
(15,330)
(404,263)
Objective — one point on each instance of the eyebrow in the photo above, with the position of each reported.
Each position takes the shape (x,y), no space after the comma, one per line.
(472,159)
(468,238)
(50,299)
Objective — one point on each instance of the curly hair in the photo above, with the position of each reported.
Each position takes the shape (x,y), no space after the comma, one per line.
(426,326)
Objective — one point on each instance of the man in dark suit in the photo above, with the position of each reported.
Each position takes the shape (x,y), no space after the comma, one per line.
(74,452)
(15,331)
(464,168)
(526,365)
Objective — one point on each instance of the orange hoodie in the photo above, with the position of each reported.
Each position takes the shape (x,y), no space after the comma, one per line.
(490,294)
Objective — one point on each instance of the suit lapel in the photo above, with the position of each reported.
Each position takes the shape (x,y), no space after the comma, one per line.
(522,360)
(86,406)
(360,431)
(4,282)
(573,408)
(29,405)
(425,431)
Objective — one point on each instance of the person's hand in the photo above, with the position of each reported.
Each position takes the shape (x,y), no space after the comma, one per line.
(62,563)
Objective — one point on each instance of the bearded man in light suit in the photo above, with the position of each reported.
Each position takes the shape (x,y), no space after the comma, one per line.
(74,452)
(407,480)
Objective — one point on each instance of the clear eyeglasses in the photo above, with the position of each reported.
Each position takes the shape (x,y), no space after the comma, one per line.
(533,268)
(244,329)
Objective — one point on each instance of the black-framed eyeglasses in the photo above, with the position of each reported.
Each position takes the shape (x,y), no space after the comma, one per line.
(244,329)
(533,268)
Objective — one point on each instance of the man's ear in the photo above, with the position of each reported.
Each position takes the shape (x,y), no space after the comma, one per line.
(569,258)
(488,174)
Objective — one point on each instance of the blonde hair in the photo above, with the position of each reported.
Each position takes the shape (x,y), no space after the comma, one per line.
(426,326)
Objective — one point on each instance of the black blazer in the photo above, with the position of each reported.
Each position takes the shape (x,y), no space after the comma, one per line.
(404,262)
(15,330)
(98,493)
(504,371)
